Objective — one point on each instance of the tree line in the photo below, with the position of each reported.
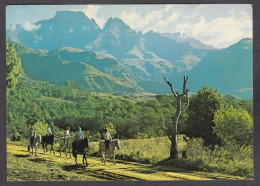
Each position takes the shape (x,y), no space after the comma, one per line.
(67,105)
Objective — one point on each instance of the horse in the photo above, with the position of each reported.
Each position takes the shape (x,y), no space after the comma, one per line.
(34,143)
(48,140)
(111,149)
(68,146)
(80,147)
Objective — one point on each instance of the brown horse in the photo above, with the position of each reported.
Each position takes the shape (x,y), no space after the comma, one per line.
(68,146)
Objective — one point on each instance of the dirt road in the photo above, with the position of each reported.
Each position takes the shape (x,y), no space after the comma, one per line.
(23,166)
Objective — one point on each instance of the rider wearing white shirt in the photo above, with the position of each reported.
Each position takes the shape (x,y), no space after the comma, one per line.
(48,131)
(107,137)
(66,135)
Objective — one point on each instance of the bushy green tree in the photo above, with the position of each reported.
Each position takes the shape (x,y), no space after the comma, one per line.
(112,129)
(13,67)
(233,126)
(35,115)
(40,127)
(201,113)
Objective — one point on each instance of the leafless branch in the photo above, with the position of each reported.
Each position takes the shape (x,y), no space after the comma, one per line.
(185,79)
(172,88)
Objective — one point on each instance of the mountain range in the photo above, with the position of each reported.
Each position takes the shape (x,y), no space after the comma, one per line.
(119,59)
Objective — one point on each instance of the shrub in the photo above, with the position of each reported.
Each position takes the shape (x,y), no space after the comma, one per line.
(233,126)
(140,136)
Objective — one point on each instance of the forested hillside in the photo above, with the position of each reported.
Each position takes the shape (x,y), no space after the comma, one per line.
(68,105)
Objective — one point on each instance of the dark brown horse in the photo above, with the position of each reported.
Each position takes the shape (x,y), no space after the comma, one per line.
(80,147)
(48,140)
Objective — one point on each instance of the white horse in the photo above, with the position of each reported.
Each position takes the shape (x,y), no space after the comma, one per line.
(68,146)
(35,143)
(111,149)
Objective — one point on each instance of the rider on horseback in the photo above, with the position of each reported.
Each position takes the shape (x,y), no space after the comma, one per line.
(48,131)
(32,134)
(79,135)
(66,136)
(107,136)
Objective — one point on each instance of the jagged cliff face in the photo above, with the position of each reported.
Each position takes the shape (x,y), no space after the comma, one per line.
(117,51)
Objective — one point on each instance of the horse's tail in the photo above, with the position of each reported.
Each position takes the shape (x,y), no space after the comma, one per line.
(43,141)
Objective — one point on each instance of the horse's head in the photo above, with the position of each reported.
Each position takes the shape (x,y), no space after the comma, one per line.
(85,142)
(117,144)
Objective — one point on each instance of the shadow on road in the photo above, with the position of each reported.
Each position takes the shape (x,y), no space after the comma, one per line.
(21,155)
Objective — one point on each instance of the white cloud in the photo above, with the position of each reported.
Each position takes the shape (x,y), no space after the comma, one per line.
(30,26)
(91,11)
(173,17)
(138,21)
(168,7)
(132,18)
(219,32)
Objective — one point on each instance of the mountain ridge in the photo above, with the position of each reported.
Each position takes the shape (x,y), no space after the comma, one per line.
(120,52)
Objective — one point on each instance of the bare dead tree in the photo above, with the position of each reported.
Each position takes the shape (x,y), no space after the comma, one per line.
(174,129)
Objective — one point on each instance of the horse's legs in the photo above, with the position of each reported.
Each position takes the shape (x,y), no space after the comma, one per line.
(69,150)
(36,151)
(60,150)
(85,157)
(111,157)
(103,158)
(52,149)
(76,159)
(114,154)
(65,151)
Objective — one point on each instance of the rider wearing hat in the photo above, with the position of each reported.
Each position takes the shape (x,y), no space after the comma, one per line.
(107,136)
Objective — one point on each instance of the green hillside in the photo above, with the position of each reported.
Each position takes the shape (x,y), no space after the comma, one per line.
(86,69)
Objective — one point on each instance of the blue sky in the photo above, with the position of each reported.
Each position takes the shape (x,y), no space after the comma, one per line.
(217,25)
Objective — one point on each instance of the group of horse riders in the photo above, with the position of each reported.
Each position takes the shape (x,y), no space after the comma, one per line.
(79,135)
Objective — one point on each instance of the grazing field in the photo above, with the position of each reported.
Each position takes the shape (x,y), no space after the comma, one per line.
(22,166)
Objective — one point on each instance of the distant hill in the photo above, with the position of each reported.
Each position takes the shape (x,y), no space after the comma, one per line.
(86,69)
(230,70)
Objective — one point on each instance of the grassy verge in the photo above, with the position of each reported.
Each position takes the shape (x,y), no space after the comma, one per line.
(20,169)
(199,158)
